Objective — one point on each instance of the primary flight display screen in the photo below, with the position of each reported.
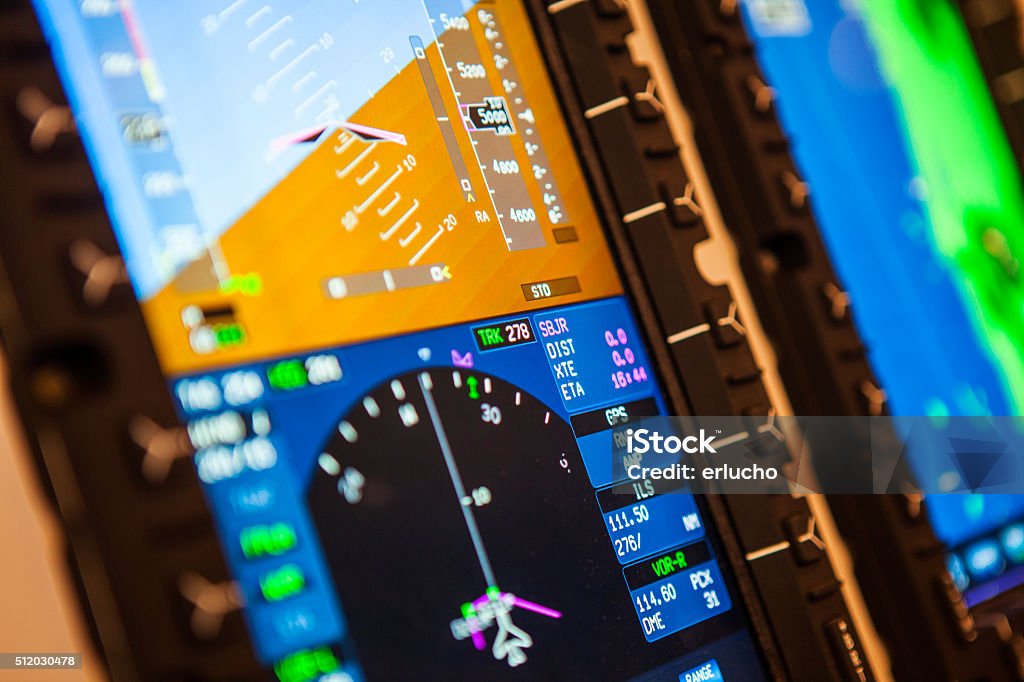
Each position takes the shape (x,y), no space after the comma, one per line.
(386,308)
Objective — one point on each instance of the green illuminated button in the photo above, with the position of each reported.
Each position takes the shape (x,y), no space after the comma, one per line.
(227,335)
(267,540)
(283,582)
(307,664)
(287,375)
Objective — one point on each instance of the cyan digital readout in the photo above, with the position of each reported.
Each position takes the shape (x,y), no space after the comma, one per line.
(642,521)
(680,600)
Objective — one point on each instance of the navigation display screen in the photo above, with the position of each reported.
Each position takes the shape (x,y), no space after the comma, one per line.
(915,226)
(386,309)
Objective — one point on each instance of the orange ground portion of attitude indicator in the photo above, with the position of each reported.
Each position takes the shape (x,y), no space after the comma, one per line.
(296,237)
